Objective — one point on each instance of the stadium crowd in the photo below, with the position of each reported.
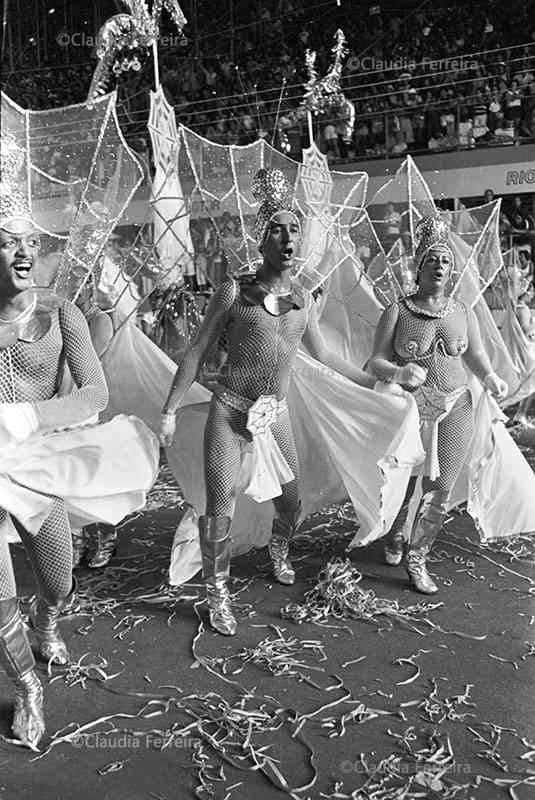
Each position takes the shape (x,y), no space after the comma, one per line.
(433,79)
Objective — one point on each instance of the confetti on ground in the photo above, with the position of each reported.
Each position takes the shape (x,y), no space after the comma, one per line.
(240,731)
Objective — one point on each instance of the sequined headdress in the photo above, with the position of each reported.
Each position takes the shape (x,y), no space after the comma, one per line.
(272,190)
(14,205)
(431,232)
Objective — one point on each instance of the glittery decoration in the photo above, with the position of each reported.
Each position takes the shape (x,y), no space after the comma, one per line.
(324,96)
(174,10)
(431,232)
(124,39)
(12,201)
(271,189)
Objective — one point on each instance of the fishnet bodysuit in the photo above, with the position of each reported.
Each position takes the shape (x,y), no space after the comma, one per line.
(32,372)
(438,344)
(261,352)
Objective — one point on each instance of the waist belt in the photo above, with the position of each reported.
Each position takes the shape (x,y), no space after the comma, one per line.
(264,467)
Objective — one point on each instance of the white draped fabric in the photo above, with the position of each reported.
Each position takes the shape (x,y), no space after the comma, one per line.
(102,472)
(172,237)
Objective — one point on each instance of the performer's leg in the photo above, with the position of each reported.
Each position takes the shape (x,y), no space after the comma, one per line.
(454,436)
(223,441)
(398,534)
(287,506)
(50,554)
(16,657)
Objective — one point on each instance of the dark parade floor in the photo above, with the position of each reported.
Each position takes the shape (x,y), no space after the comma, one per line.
(440,705)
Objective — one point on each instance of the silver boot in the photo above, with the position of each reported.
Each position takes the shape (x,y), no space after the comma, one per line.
(426,528)
(397,536)
(284,527)
(215,552)
(44,616)
(17,659)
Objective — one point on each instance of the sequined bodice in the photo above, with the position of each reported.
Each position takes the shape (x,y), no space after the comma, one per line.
(435,343)
(261,349)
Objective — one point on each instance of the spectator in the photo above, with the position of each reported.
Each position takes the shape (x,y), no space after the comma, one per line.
(330,136)
(392,223)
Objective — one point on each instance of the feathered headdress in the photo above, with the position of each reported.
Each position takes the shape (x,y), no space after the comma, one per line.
(272,190)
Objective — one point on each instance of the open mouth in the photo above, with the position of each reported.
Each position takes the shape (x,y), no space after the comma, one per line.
(23,268)
(287,253)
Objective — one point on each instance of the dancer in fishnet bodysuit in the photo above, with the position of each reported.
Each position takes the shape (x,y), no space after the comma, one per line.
(101,331)
(36,338)
(265,319)
(424,342)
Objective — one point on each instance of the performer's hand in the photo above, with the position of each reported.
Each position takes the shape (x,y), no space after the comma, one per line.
(6,440)
(496,386)
(19,420)
(167,429)
(411,375)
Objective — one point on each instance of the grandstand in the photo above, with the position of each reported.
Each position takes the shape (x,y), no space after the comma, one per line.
(451,84)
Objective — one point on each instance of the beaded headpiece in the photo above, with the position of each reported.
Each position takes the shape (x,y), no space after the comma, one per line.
(271,189)
(13,204)
(431,232)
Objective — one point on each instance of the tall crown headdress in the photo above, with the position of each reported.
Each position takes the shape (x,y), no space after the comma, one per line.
(430,232)
(13,203)
(271,189)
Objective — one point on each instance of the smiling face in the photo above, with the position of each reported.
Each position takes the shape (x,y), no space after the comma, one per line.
(19,247)
(435,270)
(282,241)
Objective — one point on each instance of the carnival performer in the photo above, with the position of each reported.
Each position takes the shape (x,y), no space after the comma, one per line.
(45,477)
(426,342)
(524,317)
(265,319)
(101,331)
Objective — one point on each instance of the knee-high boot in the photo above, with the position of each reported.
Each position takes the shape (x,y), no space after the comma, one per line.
(426,528)
(285,524)
(44,616)
(17,659)
(215,552)
(397,536)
